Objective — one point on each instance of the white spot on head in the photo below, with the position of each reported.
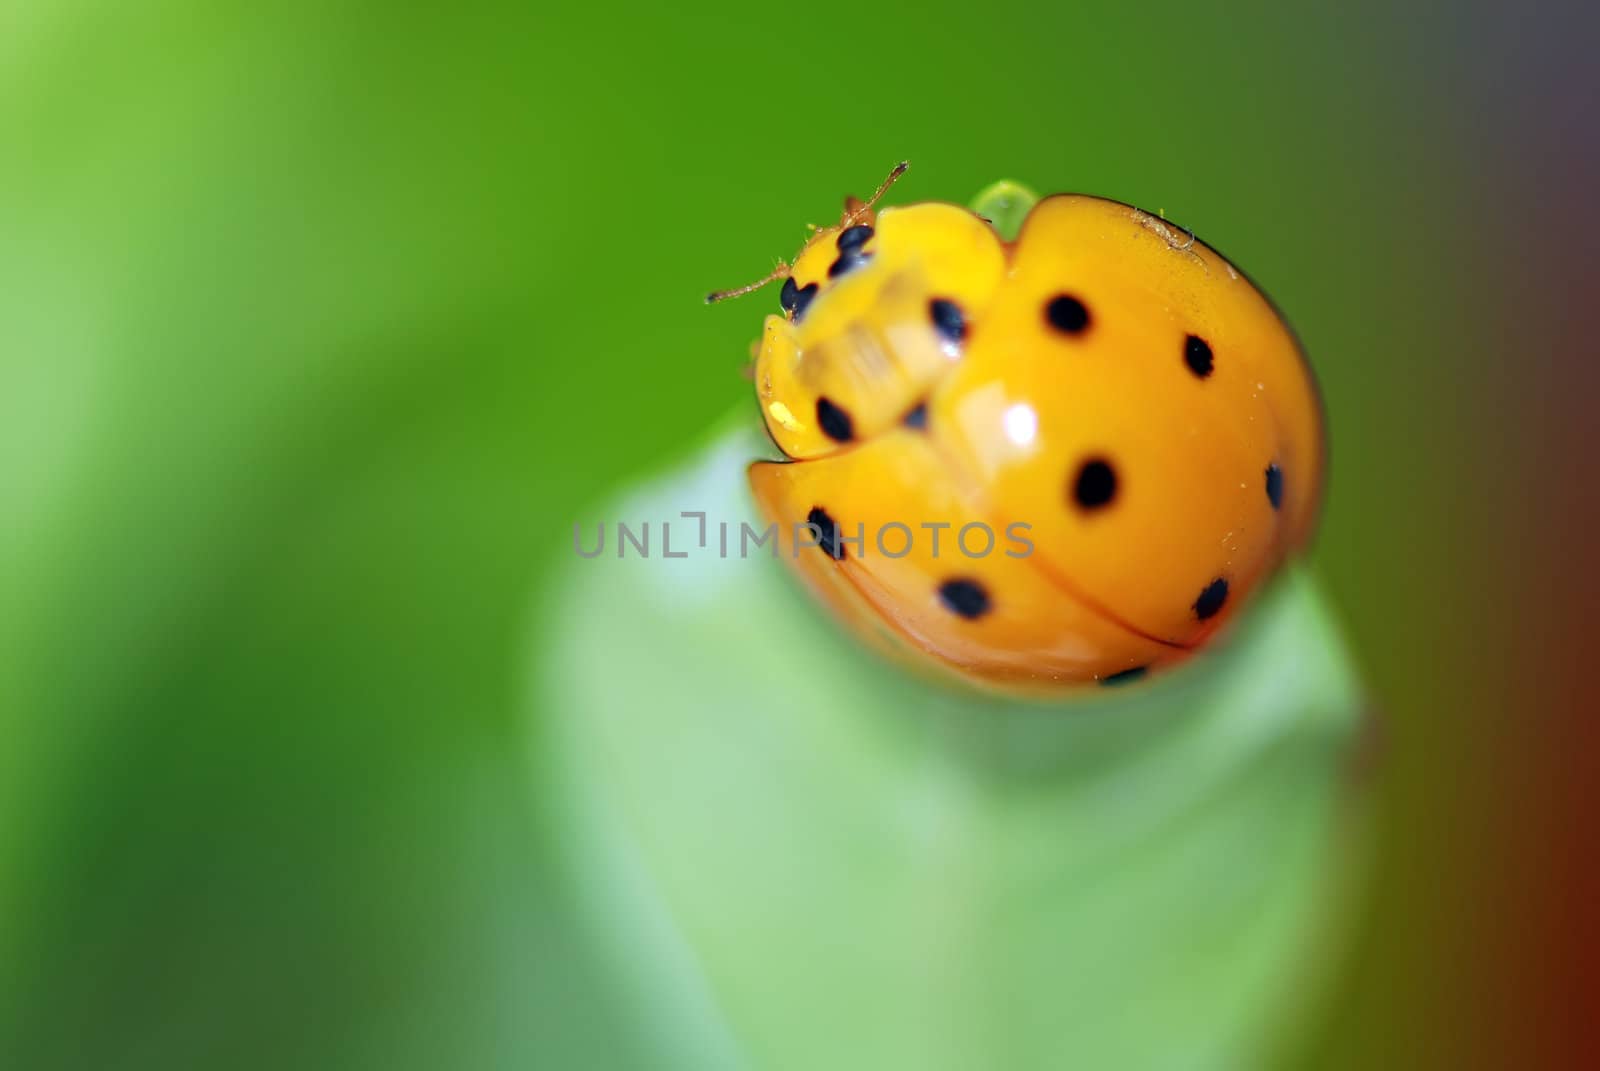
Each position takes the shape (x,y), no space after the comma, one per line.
(1021,423)
(781,414)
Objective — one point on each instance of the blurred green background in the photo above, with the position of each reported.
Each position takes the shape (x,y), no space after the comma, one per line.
(320,325)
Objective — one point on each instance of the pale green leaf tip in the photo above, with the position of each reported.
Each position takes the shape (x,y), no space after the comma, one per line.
(768,827)
(1005,204)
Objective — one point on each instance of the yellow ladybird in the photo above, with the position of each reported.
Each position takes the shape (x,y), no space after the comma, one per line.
(1060,459)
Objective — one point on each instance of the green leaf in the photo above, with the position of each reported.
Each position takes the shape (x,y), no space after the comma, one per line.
(798,856)
(1005,204)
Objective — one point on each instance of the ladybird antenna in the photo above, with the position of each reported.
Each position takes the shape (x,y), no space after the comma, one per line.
(893,176)
(855,211)
(779,272)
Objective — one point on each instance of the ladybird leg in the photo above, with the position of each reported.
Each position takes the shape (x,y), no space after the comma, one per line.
(1167,233)
(1159,228)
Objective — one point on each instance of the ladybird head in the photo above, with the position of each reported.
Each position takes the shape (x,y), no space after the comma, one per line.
(874,311)
(827,254)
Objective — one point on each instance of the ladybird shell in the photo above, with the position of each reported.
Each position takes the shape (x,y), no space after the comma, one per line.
(1107,384)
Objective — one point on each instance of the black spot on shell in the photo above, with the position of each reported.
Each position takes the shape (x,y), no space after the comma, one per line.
(835,422)
(1096,484)
(948,319)
(803,299)
(1125,677)
(917,418)
(1197,355)
(789,295)
(1211,599)
(853,237)
(1067,314)
(964,598)
(849,260)
(828,533)
(1275,485)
